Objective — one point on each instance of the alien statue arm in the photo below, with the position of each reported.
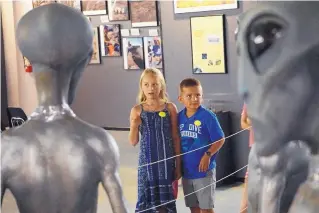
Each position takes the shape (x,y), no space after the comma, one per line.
(3,175)
(3,190)
(5,158)
(110,177)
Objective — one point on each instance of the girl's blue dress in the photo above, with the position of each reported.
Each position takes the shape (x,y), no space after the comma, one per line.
(155,181)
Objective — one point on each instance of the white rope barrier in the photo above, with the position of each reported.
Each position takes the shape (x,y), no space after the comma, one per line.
(165,159)
(243,210)
(163,204)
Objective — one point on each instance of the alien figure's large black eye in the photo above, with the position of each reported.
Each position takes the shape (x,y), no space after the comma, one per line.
(262,34)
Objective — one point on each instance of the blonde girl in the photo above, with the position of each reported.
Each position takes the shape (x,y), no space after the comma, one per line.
(155,118)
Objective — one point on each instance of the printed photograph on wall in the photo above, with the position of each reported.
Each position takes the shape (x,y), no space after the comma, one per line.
(133,53)
(76,4)
(38,3)
(110,40)
(118,10)
(96,56)
(208,48)
(143,13)
(91,7)
(191,6)
(153,52)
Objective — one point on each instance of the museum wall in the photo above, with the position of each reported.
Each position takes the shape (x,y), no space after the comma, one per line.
(107,91)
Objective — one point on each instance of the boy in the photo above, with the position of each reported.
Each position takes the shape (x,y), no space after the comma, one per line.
(199,127)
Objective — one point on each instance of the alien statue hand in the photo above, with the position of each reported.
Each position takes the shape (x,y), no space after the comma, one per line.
(273,180)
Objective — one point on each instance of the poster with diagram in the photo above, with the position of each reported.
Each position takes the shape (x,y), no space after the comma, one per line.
(208,48)
(192,6)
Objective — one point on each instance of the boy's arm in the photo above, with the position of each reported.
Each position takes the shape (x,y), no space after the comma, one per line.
(216,146)
(216,134)
(176,139)
(217,138)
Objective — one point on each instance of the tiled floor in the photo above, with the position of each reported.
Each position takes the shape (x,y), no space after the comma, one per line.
(227,198)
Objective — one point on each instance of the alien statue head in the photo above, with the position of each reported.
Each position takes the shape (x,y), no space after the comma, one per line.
(278,51)
(45,38)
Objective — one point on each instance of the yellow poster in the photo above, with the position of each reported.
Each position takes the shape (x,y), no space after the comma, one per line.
(208,44)
(189,6)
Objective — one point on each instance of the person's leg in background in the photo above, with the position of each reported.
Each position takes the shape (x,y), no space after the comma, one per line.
(246,123)
(195,210)
(244,200)
(207,211)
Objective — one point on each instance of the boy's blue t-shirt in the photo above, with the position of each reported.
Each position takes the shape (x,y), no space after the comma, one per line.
(198,131)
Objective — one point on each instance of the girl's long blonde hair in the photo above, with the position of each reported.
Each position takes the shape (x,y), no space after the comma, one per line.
(141,98)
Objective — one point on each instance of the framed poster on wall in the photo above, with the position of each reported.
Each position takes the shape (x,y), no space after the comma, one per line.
(71,3)
(133,53)
(208,44)
(191,6)
(91,8)
(110,40)
(143,13)
(38,3)
(118,10)
(96,56)
(153,52)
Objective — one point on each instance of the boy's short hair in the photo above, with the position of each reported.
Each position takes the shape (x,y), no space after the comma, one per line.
(188,82)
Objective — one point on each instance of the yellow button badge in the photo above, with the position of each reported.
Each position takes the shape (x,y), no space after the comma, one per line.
(162,114)
(197,123)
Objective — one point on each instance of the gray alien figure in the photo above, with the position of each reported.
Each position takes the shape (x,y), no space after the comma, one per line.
(278,50)
(55,161)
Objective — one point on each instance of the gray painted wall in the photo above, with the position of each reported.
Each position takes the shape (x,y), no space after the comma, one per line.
(107,92)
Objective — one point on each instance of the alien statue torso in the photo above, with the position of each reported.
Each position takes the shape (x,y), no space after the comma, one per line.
(54,162)
(279,73)
(57,166)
